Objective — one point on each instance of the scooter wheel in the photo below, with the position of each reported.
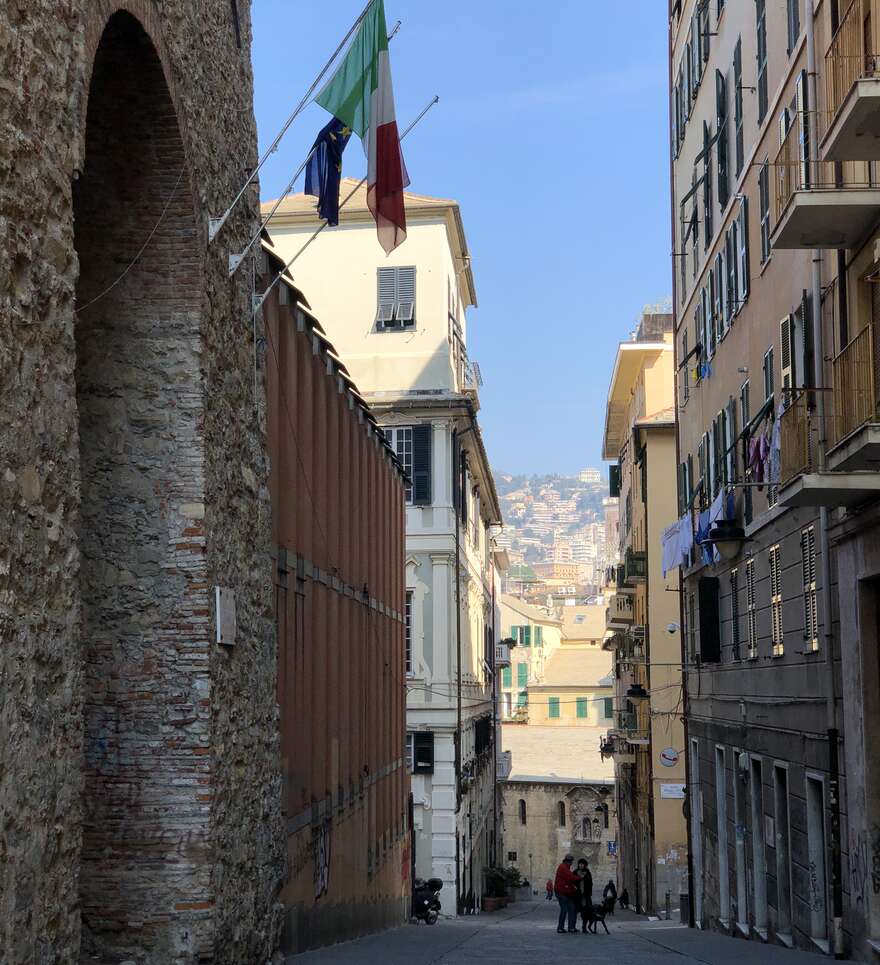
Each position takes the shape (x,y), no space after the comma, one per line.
(431,917)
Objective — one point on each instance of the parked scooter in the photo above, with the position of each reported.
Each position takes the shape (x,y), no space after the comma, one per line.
(425,903)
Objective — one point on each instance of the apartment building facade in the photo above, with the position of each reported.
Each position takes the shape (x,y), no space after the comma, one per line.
(647,734)
(536,633)
(775,223)
(399,323)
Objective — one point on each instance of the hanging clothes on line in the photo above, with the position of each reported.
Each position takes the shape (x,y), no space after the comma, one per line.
(686,537)
(671,546)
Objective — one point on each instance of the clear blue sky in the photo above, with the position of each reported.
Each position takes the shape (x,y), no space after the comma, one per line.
(552,133)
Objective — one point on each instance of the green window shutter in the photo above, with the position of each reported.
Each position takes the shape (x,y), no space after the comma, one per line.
(514,632)
(523,699)
(527,636)
(582,707)
(522,674)
(539,636)
(506,677)
(554,706)
(609,707)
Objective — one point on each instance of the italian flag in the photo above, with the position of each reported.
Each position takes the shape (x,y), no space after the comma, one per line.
(360,95)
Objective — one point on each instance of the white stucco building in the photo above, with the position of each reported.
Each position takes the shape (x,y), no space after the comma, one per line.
(399,324)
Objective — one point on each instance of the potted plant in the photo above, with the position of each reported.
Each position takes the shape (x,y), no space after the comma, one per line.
(513,880)
(496,889)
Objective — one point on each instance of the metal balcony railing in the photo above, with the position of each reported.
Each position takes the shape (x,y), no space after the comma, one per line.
(795,168)
(853,389)
(852,54)
(635,564)
(795,440)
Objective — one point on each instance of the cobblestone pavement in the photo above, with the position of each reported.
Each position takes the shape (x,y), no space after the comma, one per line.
(525,933)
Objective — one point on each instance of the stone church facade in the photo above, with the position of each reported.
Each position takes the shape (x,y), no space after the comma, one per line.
(140,792)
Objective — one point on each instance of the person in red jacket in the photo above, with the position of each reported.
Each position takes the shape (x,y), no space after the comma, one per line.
(566,888)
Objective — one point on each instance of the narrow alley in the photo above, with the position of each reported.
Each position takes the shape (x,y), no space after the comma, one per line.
(525,933)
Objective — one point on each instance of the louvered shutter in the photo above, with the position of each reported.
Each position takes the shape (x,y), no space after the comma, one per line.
(421,472)
(807,376)
(701,460)
(406,296)
(803,129)
(721,135)
(785,357)
(730,442)
(386,281)
(720,293)
(743,237)
(776,627)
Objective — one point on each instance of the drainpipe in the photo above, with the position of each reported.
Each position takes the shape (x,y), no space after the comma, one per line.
(827,633)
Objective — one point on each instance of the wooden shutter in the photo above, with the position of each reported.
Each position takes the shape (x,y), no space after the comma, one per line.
(786,358)
(406,296)
(721,136)
(731,254)
(751,608)
(776,628)
(743,238)
(421,472)
(808,573)
(710,622)
(386,283)
(720,292)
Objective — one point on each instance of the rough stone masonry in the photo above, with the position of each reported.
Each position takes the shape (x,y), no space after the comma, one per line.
(140,807)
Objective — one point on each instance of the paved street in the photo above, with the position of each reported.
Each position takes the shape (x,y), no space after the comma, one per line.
(525,933)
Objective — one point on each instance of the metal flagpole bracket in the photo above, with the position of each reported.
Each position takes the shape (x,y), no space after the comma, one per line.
(235,261)
(257,300)
(214,225)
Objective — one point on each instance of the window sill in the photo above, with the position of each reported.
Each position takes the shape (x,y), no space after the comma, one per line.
(785,939)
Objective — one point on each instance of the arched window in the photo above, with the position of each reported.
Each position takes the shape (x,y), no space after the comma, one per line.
(562,814)
(587,829)
(522,811)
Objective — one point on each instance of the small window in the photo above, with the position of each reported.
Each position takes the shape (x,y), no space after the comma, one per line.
(776,627)
(581,707)
(608,707)
(561,810)
(423,752)
(794,23)
(522,674)
(553,707)
(506,677)
(396,298)
(511,856)
(408,631)
(522,811)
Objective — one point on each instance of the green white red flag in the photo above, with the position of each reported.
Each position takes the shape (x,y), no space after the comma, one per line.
(361,97)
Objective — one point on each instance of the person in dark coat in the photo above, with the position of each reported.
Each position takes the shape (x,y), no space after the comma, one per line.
(609,895)
(624,899)
(585,892)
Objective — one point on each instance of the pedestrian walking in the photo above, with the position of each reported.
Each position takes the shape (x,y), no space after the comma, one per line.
(566,888)
(585,892)
(549,890)
(624,899)
(610,896)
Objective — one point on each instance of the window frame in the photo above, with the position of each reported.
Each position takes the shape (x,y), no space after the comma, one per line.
(738,108)
(396,304)
(761,57)
(764,206)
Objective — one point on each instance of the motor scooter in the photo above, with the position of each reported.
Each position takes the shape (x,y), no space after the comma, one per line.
(425,903)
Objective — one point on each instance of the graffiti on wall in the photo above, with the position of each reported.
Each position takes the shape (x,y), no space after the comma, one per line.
(321,849)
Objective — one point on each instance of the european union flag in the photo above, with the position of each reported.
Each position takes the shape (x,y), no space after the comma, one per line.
(324,169)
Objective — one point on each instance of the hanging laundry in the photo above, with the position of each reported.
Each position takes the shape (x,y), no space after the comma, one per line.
(775,453)
(671,547)
(703,528)
(686,537)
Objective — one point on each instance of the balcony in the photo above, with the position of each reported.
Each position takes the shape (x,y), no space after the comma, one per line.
(503,765)
(850,474)
(628,729)
(619,612)
(820,204)
(852,87)
(635,566)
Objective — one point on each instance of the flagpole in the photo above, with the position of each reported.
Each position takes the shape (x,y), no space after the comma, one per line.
(215,224)
(236,260)
(258,301)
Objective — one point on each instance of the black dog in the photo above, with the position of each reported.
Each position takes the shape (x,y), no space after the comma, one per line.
(596,916)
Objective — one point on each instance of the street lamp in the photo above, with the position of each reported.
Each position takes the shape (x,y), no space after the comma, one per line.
(727,538)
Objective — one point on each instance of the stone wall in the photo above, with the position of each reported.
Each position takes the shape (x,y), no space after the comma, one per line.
(139,774)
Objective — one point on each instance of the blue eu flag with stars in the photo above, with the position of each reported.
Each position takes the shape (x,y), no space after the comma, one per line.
(324,169)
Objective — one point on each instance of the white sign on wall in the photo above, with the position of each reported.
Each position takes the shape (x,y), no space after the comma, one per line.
(673,792)
(669,757)
(224,612)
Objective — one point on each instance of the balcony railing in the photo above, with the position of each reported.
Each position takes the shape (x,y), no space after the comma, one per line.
(635,564)
(795,439)
(851,55)
(852,379)
(795,168)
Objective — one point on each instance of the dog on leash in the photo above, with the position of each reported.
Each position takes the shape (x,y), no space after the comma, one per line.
(596,916)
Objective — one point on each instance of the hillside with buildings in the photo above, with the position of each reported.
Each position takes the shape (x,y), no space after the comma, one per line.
(558,530)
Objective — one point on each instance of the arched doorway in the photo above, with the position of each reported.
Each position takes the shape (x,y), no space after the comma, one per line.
(146,613)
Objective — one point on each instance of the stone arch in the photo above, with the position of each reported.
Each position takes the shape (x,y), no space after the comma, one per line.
(145,874)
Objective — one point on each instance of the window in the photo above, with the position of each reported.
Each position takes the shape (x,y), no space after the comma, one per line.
(808,576)
(751,609)
(720,294)
(608,707)
(410,758)
(511,856)
(423,752)
(522,675)
(561,811)
(522,635)
(692,624)
(506,704)
(794,23)
(721,136)
(721,815)
(708,592)
(708,203)
(581,707)
(553,707)
(522,811)
(586,829)
(539,636)
(738,105)
(522,699)
(761,30)
(776,628)
(412,444)
(684,371)
(764,199)
(396,298)
(731,257)
(734,612)
(408,631)
(506,677)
